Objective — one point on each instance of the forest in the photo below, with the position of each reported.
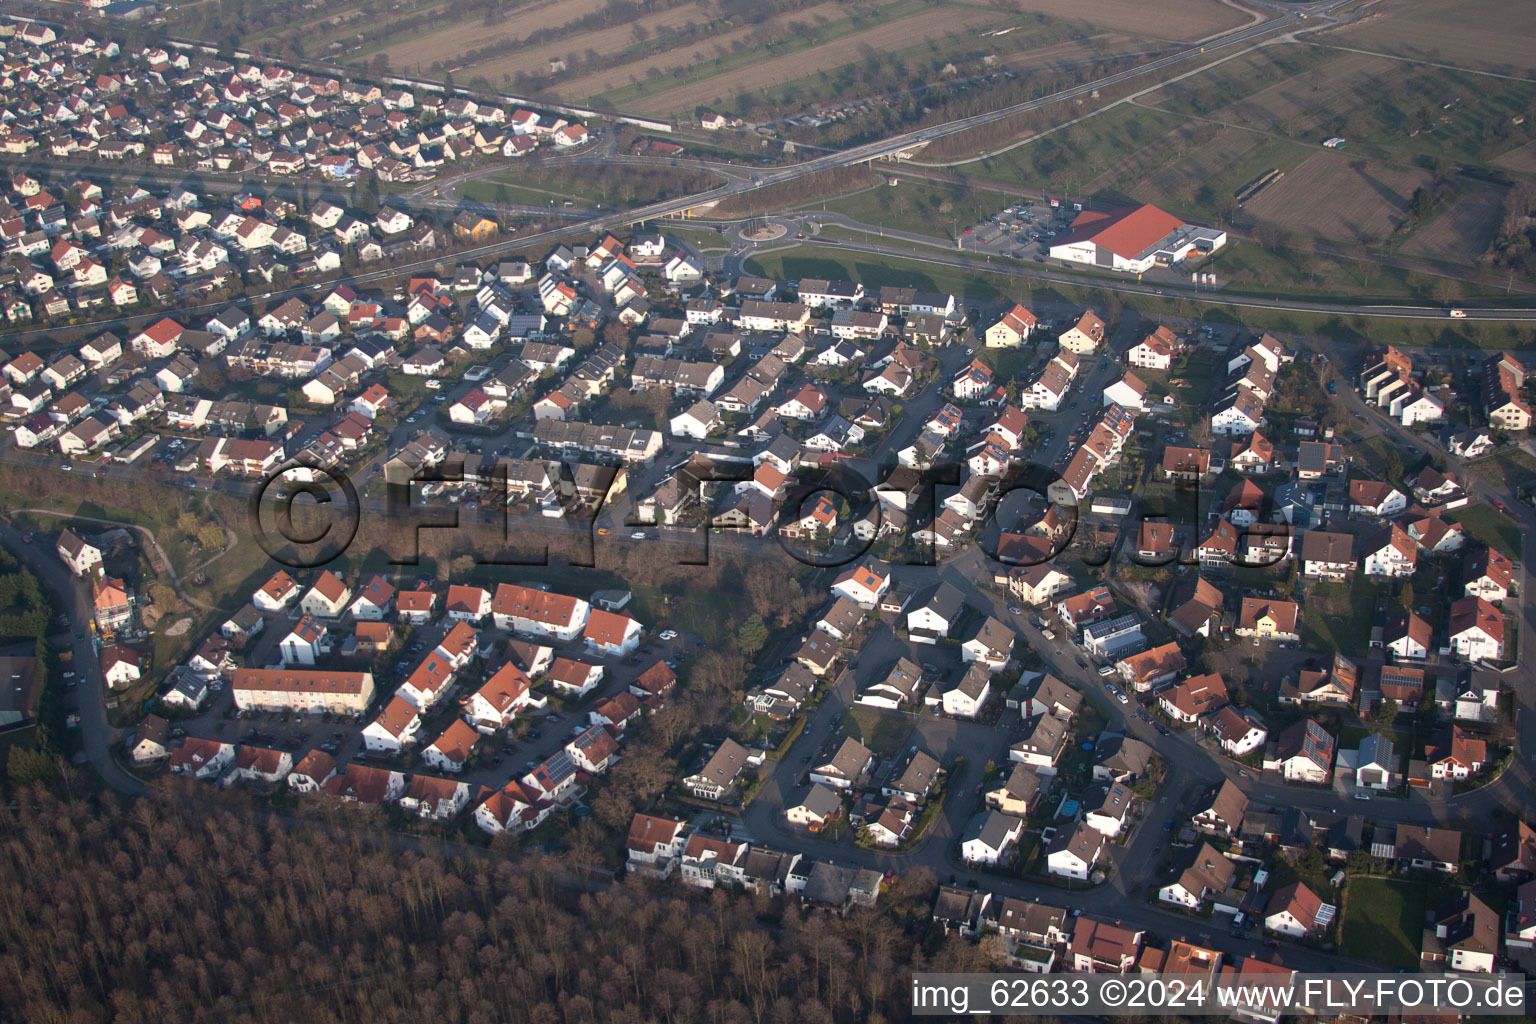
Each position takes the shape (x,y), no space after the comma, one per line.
(191,906)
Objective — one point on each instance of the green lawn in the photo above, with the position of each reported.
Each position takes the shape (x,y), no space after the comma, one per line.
(498,188)
(1490,526)
(875,271)
(1067,160)
(883,732)
(1282,271)
(701,240)
(1337,616)
(925,208)
(1384,921)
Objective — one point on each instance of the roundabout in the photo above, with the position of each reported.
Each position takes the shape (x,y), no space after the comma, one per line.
(765,233)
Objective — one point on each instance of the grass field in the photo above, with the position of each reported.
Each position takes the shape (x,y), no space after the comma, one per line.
(927,208)
(1387,108)
(499,189)
(1337,616)
(1384,921)
(1490,526)
(883,732)
(1278,270)
(875,271)
(704,241)
(1067,160)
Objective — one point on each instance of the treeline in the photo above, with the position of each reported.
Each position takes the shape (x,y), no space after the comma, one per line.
(178,908)
(1514,243)
(24,610)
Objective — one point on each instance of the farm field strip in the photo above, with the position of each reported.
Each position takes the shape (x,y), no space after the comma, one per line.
(701,55)
(347,25)
(1521,160)
(932,26)
(449,44)
(1332,196)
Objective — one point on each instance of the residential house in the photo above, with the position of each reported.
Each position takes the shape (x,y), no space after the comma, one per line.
(989,837)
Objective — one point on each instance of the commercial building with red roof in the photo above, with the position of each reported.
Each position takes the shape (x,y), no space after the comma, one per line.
(1134,240)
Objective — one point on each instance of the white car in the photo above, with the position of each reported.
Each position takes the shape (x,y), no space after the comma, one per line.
(669,634)
(432,384)
(1122,698)
(637,535)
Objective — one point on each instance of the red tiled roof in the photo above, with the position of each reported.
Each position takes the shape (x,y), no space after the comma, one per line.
(1125,232)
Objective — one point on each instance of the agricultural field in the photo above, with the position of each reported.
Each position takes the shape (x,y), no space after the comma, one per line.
(1459,233)
(446,49)
(1521,161)
(724,53)
(1389,109)
(1334,197)
(1493,35)
(928,26)
(1168,19)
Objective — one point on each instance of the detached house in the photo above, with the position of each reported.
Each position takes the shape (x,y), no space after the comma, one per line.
(327,598)
(82,557)
(1201,873)
(1304,753)
(720,772)
(1462,935)
(1476,630)
(847,766)
(1074,853)
(989,837)
(1013,329)
(1292,911)
(1268,619)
